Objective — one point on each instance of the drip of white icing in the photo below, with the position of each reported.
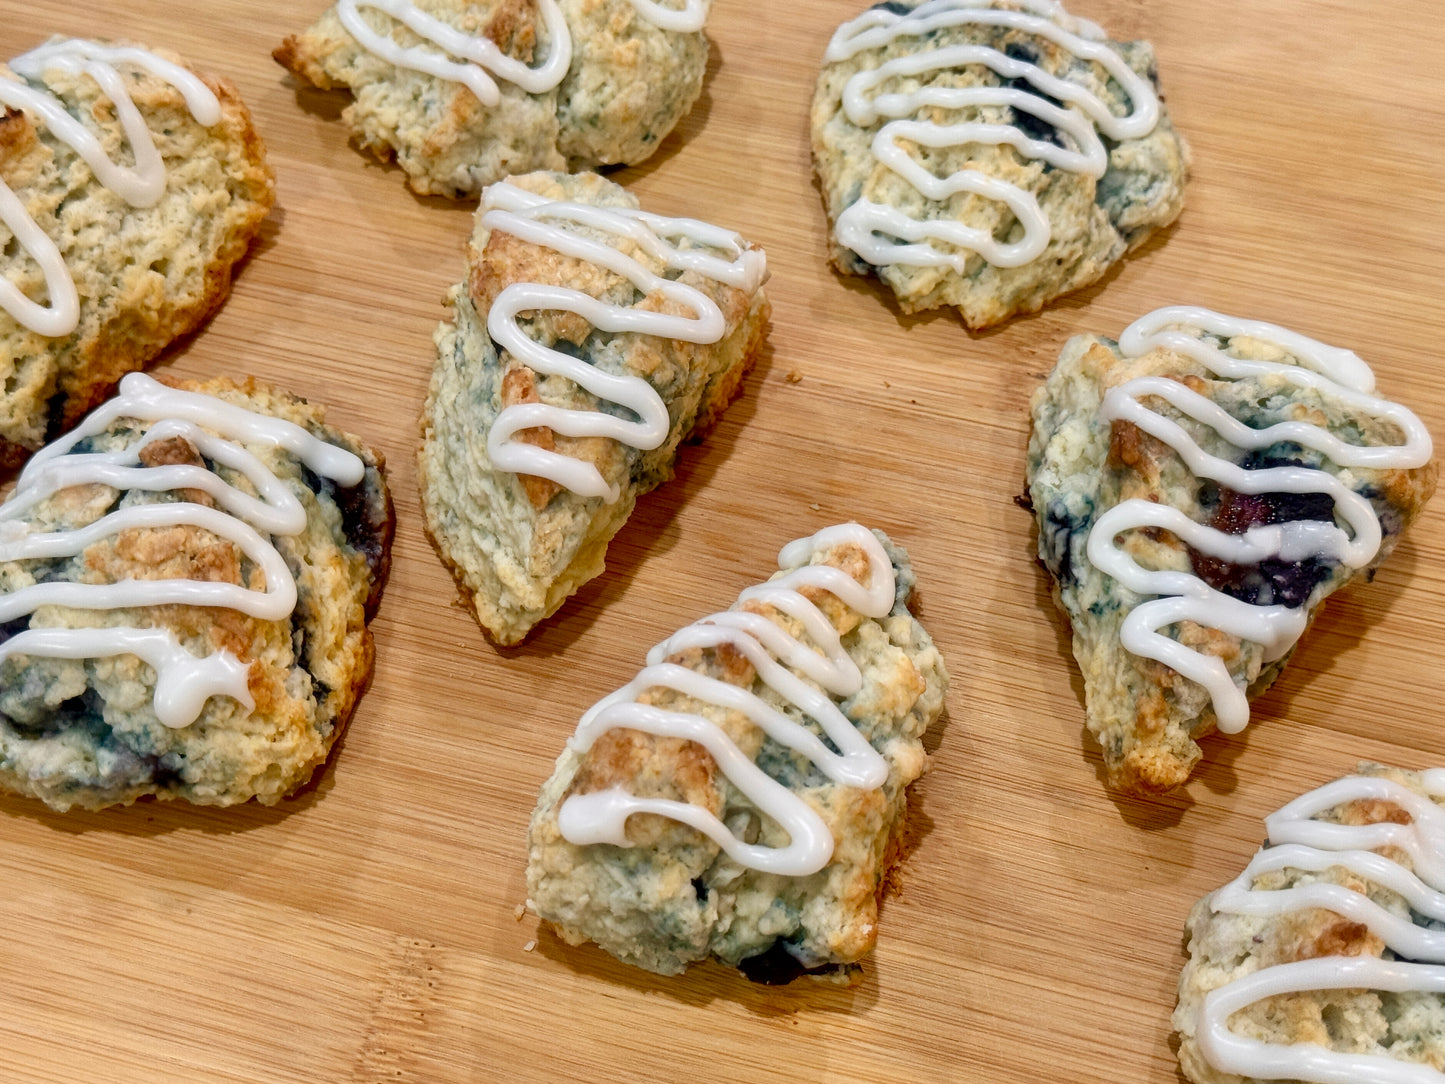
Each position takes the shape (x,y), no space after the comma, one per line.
(183,681)
(141,185)
(601,817)
(480,53)
(869,228)
(1303,843)
(687,19)
(1183,596)
(481,59)
(557,225)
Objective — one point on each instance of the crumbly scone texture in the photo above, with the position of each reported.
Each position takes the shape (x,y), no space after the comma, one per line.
(1093,221)
(674,897)
(145,275)
(1408,1027)
(84,732)
(520,545)
(629,84)
(1146,716)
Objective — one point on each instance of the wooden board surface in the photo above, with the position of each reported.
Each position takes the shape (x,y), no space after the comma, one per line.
(366,930)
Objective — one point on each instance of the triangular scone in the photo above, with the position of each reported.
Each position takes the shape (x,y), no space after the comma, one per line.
(125,226)
(1200,488)
(1324,959)
(742,798)
(568,283)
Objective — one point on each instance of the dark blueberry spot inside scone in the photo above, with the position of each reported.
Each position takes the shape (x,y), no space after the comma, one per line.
(1272,582)
(857,265)
(366,522)
(164,776)
(1056,539)
(1031,126)
(1021,51)
(582,352)
(55,416)
(699,888)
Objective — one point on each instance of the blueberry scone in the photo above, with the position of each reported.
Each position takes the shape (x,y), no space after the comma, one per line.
(1200,487)
(989,154)
(742,797)
(587,341)
(130,187)
(185,585)
(1324,960)
(462,93)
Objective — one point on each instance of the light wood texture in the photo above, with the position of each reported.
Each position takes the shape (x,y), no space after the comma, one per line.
(366,930)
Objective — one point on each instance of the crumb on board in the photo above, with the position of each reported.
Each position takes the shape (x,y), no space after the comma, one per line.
(816,507)
(529,946)
(520,912)
(794,377)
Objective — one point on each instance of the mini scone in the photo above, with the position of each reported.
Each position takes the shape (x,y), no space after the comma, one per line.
(1324,960)
(742,798)
(989,154)
(1200,487)
(463,93)
(185,585)
(131,186)
(587,341)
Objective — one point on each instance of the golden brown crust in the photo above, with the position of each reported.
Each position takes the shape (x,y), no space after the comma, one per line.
(517,545)
(1148,717)
(673,896)
(157,274)
(305,673)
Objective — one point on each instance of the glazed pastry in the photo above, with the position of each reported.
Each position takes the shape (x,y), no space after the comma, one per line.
(1325,959)
(1200,488)
(989,154)
(128,221)
(185,585)
(588,340)
(463,93)
(742,797)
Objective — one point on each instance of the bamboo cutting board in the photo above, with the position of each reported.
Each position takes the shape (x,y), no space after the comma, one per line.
(367,930)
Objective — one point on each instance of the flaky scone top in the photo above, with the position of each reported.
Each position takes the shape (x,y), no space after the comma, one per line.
(742,798)
(1325,955)
(143,249)
(536,84)
(588,340)
(185,583)
(1200,488)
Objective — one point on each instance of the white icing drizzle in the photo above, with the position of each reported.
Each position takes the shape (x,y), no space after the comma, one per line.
(601,817)
(481,59)
(141,185)
(183,681)
(1183,596)
(1311,845)
(870,228)
(556,225)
